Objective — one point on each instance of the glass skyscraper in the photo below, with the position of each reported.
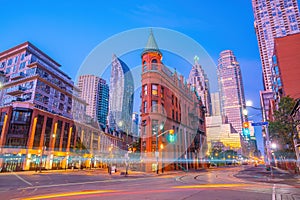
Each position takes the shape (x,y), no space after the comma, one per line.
(120,96)
(199,81)
(231,89)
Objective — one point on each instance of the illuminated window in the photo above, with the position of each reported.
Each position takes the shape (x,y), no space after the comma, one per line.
(145,90)
(154,90)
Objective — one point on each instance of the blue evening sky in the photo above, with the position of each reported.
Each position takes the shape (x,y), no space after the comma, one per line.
(68,30)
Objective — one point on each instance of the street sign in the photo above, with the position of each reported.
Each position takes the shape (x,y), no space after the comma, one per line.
(259,123)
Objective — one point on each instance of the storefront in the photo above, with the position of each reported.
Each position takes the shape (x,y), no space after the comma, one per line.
(12,162)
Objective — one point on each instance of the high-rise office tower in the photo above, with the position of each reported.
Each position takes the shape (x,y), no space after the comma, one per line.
(95,92)
(273,18)
(231,89)
(135,124)
(215,104)
(120,96)
(199,81)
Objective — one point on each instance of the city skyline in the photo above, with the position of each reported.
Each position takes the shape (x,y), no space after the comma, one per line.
(61,33)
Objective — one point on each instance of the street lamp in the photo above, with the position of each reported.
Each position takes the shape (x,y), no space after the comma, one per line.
(162,157)
(274,146)
(268,143)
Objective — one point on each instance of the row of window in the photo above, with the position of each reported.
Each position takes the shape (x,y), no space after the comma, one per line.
(11,61)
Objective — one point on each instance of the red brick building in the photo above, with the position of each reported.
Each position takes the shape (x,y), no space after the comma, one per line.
(167,102)
(286,66)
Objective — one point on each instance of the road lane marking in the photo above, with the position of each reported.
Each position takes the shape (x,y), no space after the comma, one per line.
(22,179)
(274,192)
(48,196)
(211,186)
(79,183)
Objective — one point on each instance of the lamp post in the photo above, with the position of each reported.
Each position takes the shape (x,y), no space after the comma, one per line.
(162,157)
(268,143)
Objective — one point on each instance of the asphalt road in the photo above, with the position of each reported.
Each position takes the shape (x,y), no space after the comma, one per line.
(244,182)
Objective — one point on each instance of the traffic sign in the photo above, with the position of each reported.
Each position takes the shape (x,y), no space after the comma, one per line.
(259,123)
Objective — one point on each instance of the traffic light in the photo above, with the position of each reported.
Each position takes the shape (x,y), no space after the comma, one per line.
(246,125)
(246,131)
(171,136)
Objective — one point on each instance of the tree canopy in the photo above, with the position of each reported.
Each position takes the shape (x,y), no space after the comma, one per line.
(281,128)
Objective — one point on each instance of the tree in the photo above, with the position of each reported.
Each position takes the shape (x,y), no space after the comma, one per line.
(281,128)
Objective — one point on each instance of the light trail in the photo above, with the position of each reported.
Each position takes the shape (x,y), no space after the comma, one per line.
(68,194)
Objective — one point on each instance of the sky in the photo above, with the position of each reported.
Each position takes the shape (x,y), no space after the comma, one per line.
(69,30)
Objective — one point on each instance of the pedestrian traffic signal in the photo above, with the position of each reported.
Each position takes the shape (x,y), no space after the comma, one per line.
(246,132)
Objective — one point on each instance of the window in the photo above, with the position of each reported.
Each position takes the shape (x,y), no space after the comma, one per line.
(56,93)
(154,90)
(162,108)
(2,65)
(38,97)
(22,65)
(47,89)
(69,110)
(9,62)
(46,100)
(172,114)
(7,71)
(62,97)
(16,59)
(144,66)
(162,91)
(154,106)
(154,64)
(27,96)
(145,107)
(145,90)
(61,106)
(154,127)
(22,56)
(14,68)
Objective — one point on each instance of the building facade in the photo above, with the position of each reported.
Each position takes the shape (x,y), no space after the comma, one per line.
(215,104)
(120,96)
(95,92)
(167,103)
(272,19)
(285,68)
(42,118)
(219,132)
(231,89)
(32,76)
(199,81)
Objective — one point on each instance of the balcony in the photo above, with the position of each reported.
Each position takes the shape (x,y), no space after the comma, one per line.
(16,90)
(17,76)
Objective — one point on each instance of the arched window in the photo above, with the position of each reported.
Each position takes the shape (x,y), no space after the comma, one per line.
(154,64)
(144,66)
